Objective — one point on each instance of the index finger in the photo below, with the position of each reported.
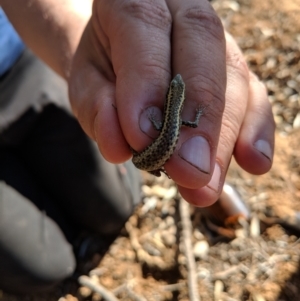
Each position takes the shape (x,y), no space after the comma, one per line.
(138,34)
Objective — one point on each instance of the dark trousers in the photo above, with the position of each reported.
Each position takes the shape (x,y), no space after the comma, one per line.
(54,184)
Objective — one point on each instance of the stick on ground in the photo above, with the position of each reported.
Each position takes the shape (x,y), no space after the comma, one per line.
(97,288)
(188,247)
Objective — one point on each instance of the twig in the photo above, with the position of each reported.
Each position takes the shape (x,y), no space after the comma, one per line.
(98,271)
(118,290)
(142,255)
(187,240)
(126,288)
(228,233)
(292,221)
(97,288)
(225,274)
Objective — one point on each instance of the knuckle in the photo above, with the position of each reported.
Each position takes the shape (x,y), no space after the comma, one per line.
(236,64)
(258,84)
(205,20)
(235,58)
(151,65)
(150,12)
(261,103)
(263,109)
(229,131)
(209,91)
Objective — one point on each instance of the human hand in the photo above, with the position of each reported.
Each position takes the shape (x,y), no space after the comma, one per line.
(123,66)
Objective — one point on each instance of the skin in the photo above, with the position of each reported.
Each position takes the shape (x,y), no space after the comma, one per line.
(51,28)
(127,55)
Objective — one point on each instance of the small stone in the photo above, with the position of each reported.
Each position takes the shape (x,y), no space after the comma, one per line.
(270,64)
(168,239)
(271,98)
(170,221)
(128,255)
(159,191)
(172,210)
(201,249)
(181,259)
(149,204)
(263,196)
(203,273)
(162,225)
(258,297)
(267,32)
(278,119)
(164,210)
(288,91)
(296,122)
(292,84)
(295,98)
(69,297)
(170,193)
(283,73)
(147,191)
(85,291)
(240,233)
(198,234)
(218,289)
(233,5)
(254,227)
(173,229)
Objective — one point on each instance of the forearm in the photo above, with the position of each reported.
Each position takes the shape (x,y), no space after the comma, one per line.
(51,28)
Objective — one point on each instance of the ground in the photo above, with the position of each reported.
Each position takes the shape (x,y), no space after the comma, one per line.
(148,262)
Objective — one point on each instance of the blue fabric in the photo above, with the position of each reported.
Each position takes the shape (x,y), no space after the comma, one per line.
(11,46)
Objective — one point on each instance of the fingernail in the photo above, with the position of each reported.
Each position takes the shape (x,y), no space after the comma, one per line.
(264,147)
(145,124)
(196,151)
(214,182)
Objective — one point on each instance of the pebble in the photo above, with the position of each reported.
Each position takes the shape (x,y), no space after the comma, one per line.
(201,249)
(170,193)
(168,239)
(173,229)
(198,234)
(254,226)
(296,122)
(159,191)
(258,297)
(147,191)
(233,5)
(218,290)
(263,196)
(172,210)
(149,204)
(181,259)
(240,233)
(85,292)
(203,273)
(98,271)
(170,221)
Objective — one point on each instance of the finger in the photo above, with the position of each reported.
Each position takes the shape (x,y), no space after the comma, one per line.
(255,145)
(235,109)
(198,54)
(139,41)
(92,96)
